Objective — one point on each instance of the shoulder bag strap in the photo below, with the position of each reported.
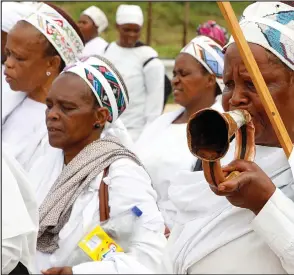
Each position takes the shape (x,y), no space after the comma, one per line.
(104,208)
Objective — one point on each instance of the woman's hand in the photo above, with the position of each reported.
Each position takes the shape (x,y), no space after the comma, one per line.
(251,189)
(58,270)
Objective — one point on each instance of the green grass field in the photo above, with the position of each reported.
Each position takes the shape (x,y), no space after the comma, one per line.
(167,20)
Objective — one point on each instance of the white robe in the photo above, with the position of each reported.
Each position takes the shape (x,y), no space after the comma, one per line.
(96,46)
(212,236)
(19,216)
(129,185)
(23,127)
(145,84)
(164,151)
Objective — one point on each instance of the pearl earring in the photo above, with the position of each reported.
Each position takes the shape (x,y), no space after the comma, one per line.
(48,73)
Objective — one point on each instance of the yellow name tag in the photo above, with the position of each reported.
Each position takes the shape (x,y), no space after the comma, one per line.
(97,244)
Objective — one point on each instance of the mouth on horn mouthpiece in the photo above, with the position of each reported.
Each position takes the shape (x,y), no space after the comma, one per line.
(208,135)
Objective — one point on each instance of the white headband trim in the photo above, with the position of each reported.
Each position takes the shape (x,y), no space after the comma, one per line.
(79,70)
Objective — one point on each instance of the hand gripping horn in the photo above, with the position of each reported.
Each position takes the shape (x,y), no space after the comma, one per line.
(209,133)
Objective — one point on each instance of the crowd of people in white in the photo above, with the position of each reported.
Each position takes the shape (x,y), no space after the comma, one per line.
(96,180)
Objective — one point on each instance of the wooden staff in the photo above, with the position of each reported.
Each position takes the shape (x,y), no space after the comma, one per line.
(256,77)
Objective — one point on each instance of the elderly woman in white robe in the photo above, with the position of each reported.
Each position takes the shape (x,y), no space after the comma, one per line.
(249,227)
(87,96)
(37,49)
(92,23)
(162,147)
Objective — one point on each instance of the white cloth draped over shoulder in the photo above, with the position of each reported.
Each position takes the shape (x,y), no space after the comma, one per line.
(163,150)
(19,216)
(96,46)
(143,250)
(145,84)
(212,236)
(23,126)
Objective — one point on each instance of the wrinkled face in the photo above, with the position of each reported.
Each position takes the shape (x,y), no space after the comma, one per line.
(26,64)
(189,81)
(240,93)
(129,34)
(71,113)
(87,27)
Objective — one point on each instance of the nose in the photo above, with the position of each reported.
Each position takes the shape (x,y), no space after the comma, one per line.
(239,97)
(8,63)
(175,80)
(132,34)
(52,113)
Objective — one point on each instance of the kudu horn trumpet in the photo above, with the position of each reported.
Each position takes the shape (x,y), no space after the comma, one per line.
(209,133)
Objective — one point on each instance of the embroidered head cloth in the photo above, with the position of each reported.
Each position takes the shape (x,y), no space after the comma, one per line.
(12,12)
(129,14)
(270,25)
(105,82)
(58,31)
(209,54)
(98,17)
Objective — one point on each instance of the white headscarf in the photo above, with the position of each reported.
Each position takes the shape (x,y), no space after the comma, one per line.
(270,25)
(12,12)
(58,31)
(129,14)
(98,17)
(209,54)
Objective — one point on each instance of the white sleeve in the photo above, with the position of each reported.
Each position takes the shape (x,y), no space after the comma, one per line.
(275,225)
(11,253)
(154,82)
(129,185)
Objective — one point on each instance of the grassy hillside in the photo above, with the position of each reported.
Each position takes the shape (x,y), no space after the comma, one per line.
(167,25)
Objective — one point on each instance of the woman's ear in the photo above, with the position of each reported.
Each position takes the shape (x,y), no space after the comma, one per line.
(211,81)
(102,114)
(54,63)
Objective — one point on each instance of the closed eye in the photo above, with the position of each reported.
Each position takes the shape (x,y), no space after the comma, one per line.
(229,85)
(250,85)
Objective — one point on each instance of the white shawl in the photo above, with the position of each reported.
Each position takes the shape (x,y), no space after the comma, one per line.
(200,211)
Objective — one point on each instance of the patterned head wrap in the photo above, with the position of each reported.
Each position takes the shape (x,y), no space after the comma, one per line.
(58,31)
(105,82)
(209,54)
(270,25)
(214,31)
(98,17)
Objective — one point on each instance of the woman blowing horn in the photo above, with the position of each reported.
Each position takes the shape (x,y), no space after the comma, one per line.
(249,226)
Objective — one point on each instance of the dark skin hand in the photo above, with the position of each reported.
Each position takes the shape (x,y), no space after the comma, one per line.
(251,189)
(58,270)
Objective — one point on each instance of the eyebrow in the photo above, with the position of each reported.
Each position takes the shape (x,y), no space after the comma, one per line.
(66,102)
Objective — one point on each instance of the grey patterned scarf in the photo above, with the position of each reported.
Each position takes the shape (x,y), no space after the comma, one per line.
(76,176)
